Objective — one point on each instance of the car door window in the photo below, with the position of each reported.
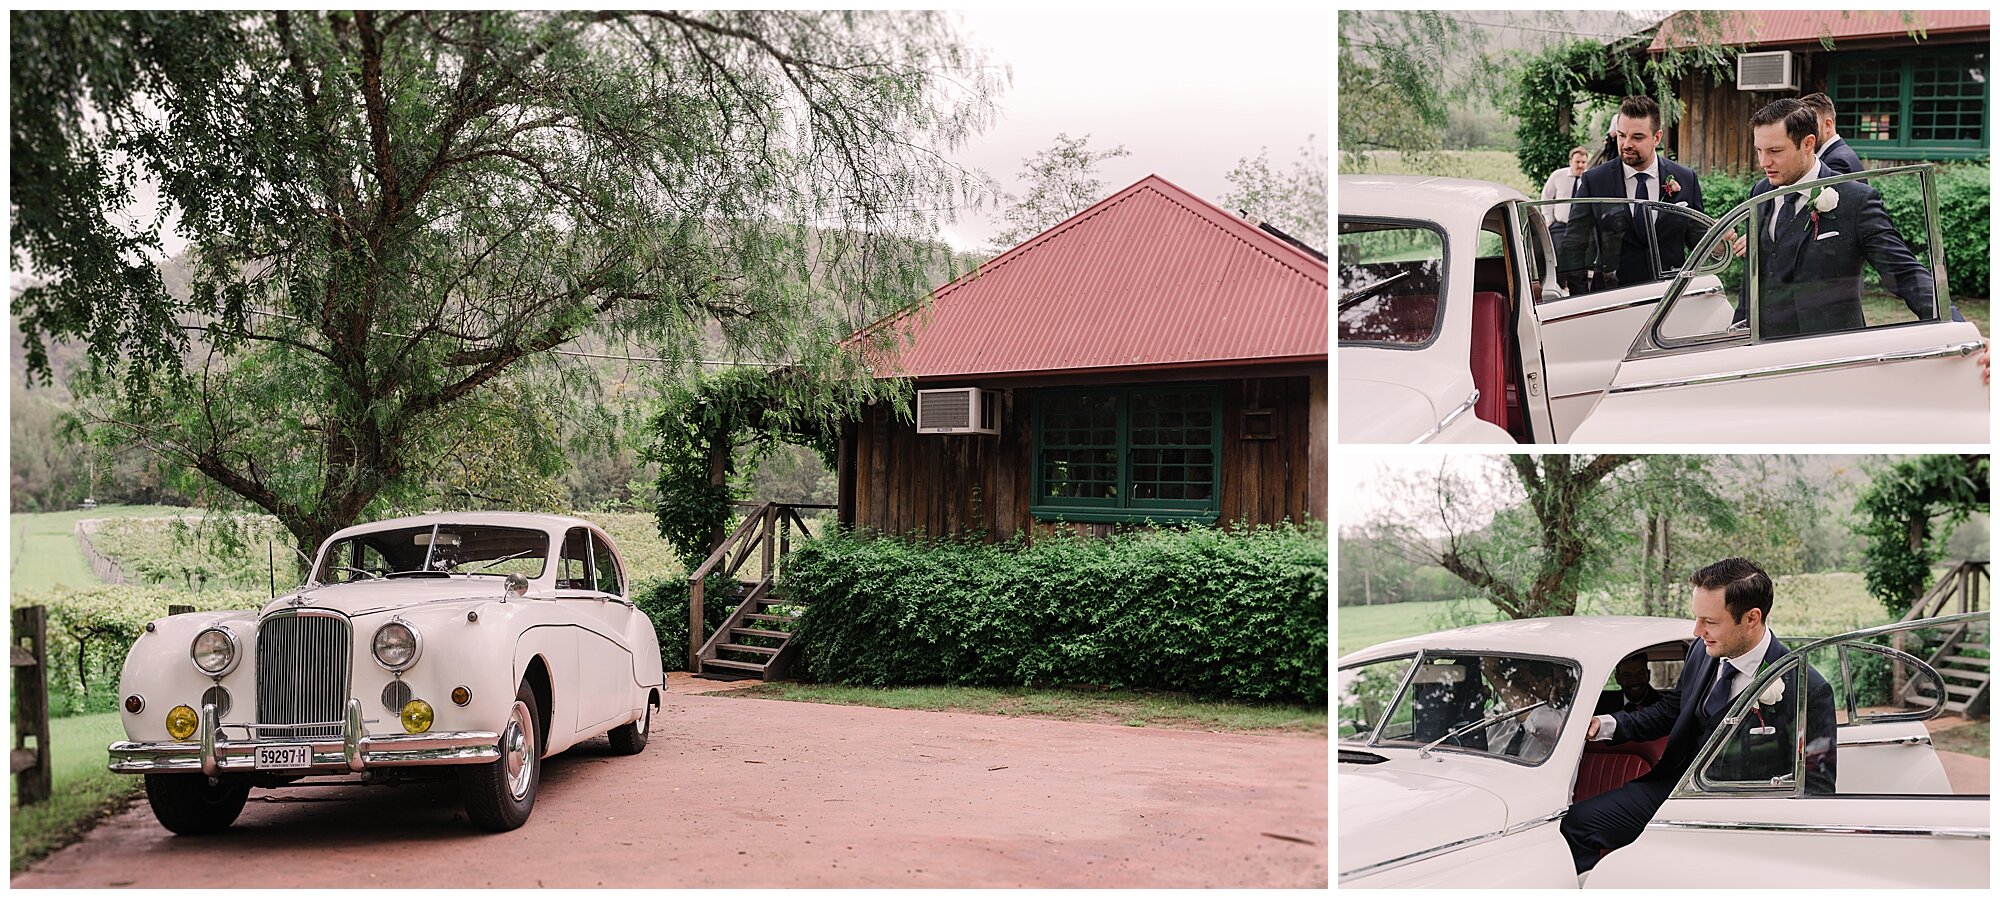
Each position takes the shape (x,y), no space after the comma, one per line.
(1610,243)
(1365,692)
(608,579)
(573,573)
(1392,282)
(1840,260)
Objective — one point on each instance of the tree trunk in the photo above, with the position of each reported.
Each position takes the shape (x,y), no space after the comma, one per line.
(1646,568)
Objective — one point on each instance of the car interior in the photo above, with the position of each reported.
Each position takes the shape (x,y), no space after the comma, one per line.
(1605,766)
(1496,352)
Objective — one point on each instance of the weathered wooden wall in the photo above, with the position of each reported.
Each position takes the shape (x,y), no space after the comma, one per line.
(1714,133)
(939,485)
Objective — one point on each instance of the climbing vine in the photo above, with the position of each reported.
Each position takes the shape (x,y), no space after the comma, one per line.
(1547,89)
(708,427)
(1908,513)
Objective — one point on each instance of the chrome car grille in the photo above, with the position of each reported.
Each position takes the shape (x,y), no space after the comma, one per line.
(302,671)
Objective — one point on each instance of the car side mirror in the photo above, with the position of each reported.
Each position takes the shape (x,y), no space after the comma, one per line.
(517,585)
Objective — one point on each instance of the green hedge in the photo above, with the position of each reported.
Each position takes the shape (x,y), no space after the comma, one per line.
(90,630)
(665,601)
(1233,614)
(1964,201)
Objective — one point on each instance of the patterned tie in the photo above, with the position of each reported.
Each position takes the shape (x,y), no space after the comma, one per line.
(1718,695)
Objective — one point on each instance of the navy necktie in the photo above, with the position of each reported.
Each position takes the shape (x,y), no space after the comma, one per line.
(1642,219)
(1786,209)
(1718,695)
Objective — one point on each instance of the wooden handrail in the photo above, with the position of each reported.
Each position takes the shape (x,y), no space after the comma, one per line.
(767,526)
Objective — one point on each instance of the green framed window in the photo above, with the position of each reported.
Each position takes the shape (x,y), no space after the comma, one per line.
(1128,454)
(1902,105)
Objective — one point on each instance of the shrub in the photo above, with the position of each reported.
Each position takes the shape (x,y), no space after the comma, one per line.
(1233,614)
(665,601)
(90,630)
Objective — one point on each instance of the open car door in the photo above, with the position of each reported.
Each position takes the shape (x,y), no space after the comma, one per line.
(1842,331)
(1781,797)
(1585,319)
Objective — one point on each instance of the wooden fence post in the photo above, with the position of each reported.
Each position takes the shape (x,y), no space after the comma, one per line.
(30,767)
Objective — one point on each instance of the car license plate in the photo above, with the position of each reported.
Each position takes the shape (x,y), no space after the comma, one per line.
(284,757)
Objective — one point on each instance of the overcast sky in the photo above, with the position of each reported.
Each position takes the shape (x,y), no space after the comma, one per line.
(1188,92)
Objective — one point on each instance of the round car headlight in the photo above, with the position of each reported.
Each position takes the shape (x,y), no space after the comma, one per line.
(214,651)
(181,722)
(397,646)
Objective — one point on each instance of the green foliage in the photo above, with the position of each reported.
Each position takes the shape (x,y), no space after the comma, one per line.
(1908,513)
(665,601)
(395,223)
(1293,202)
(1061,181)
(1546,90)
(1216,613)
(706,426)
(90,630)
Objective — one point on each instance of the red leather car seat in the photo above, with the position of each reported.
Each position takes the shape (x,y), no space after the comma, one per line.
(1605,767)
(1492,359)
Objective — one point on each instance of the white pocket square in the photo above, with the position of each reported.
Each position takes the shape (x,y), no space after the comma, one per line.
(1681,203)
(1827,235)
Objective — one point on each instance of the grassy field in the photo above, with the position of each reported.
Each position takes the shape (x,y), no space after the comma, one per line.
(44,552)
(1130,708)
(1815,605)
(1499,166)
(84,790)
(1881,307)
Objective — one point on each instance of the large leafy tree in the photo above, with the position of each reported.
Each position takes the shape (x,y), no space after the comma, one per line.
(393,218)
(1293,201)
(1057,182)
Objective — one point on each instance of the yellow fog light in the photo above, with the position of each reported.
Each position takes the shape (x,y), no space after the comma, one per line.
(417,716)
(181,722)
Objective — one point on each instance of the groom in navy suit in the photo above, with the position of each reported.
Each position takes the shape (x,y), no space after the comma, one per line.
(1639,173)
(1732,599)
(1810,256)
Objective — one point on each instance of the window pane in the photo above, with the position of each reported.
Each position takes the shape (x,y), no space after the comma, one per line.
(1950,97)
(1867,98)
(1390,275)
(1079,448)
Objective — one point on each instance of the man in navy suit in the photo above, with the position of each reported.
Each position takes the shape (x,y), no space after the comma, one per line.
(1732,599)
(1639,173)
(1834,153)
(1813,246)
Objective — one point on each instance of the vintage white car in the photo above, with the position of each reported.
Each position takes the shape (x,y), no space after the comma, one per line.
(465,645)
(1461,751)
(1457,325)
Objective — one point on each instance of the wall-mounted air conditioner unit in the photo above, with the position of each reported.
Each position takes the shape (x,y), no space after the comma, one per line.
(1773,71)
(958,410)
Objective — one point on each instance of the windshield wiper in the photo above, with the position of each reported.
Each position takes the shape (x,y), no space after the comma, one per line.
(500,560)
(1352,297)
(1425,752)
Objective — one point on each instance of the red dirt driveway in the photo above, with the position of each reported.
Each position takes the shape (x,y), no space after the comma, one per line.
(762,793)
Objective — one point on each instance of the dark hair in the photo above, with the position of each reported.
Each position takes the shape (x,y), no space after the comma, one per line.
(1798,118)
(1744,586)
(1822,105)
(1639,106)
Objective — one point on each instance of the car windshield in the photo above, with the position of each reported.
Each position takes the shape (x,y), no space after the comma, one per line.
(1391,277)
(435,551)
(1365,692)
(1450,695)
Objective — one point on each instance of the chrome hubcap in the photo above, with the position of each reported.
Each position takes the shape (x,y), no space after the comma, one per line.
(517,747)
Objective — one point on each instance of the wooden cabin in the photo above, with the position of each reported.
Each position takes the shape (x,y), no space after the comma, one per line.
(1152,358)
(1896,99)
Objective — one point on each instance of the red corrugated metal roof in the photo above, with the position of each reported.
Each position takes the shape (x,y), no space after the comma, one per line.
(1151,277)
(1807,26)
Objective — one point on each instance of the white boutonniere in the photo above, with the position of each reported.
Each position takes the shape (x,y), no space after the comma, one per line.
(1773,693)
(1823,202)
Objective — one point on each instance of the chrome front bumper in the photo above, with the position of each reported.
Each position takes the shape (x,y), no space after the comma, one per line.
(350,753)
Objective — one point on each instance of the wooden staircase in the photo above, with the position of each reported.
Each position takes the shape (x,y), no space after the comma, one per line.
(757,635)
(1963,654)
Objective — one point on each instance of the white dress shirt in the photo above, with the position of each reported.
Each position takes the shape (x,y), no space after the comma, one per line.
(1743,669)
(1560,186)
(1652,180)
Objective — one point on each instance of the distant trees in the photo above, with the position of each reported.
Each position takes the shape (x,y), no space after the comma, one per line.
(1293,200)
(1059,182)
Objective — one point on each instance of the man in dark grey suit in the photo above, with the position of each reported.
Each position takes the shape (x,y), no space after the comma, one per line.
(1814,242)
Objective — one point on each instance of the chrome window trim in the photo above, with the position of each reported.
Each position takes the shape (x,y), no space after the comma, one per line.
(1446,421)
(1936,352)
(1872,830)
(1609,307)
(1924,740)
